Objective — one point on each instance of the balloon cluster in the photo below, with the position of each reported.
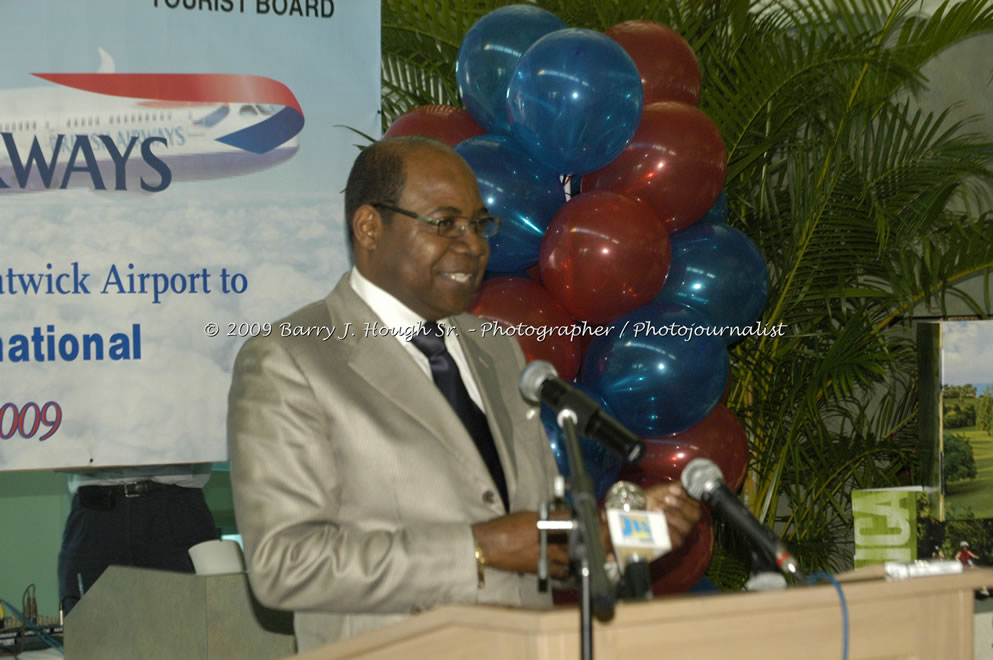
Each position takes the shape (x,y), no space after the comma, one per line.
(627,282)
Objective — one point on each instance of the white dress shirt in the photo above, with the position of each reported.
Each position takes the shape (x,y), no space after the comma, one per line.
(403,320)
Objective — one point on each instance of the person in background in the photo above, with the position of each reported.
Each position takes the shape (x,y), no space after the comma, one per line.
(380,475)
(144,516)
(965,555)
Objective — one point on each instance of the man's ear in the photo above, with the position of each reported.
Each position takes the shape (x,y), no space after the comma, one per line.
(367,226)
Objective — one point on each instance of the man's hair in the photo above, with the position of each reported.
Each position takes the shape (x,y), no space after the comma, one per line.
(379,175)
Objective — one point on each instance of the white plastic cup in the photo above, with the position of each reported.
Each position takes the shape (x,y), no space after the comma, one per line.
(217,557)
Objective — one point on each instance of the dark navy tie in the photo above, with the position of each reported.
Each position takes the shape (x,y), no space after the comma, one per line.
(445,373)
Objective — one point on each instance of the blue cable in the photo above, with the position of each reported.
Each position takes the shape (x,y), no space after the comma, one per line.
(844,608)
(51,641)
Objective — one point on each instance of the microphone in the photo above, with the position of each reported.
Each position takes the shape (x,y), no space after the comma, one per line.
(703,481)
(638,536)
(540,384)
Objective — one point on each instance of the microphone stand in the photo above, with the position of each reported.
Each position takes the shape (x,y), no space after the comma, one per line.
(585,547)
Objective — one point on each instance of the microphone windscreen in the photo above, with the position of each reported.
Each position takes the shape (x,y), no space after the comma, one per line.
(533,377)
(625,495)
(700,477)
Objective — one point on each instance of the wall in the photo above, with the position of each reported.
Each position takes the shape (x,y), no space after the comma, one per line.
(33,510)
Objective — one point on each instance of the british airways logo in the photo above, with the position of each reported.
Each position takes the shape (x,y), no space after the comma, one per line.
(127,130)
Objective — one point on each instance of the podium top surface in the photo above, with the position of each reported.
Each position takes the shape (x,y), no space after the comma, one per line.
(863,592)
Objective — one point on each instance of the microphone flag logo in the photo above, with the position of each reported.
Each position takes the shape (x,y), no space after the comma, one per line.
(636,527)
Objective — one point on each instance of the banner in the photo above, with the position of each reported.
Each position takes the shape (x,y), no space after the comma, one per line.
(170,184)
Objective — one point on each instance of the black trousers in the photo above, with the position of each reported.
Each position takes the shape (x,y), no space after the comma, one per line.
(154,530)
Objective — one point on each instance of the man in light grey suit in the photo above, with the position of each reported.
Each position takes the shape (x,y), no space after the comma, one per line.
(360,494)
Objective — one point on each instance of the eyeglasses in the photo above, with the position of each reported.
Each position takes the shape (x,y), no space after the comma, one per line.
(451,226)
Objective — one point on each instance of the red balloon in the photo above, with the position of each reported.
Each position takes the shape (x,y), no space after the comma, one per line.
(676,163)
(718,437)
(669,69)
(526,309)
(604,255)
(677,571)
(442,122)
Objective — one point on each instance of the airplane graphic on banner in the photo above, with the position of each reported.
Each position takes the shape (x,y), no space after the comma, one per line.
(143,131)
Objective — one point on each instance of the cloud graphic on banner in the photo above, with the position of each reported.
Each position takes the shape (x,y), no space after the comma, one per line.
(277,257)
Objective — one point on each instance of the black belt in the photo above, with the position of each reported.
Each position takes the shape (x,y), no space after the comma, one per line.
(101,498)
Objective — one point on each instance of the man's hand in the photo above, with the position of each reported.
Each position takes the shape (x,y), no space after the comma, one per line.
(681,511)
(511,543)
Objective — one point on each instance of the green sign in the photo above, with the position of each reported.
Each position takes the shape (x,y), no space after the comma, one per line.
(885,525)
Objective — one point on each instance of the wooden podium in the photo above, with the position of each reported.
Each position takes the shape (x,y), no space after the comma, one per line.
(928,618)
(133,613)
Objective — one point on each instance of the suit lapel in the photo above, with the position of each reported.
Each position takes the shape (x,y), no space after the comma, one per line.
(484,371)
(388,368)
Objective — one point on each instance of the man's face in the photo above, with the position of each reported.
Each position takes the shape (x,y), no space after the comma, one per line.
(432,275)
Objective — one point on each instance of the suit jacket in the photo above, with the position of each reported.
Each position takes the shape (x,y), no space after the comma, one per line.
(355,483)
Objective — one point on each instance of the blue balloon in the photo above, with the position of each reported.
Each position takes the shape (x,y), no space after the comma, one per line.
(657,369)
(601,464)
(719,271)
(718,213)
(575,100)
(523,193)
(488,55)
(704,586)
